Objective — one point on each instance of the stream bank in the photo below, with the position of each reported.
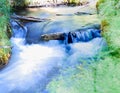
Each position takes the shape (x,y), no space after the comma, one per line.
(5,46)
(100,76)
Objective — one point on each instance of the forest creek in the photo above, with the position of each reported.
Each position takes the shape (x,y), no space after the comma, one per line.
(51,45)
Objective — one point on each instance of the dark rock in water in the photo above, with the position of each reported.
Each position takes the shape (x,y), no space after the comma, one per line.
(70,37)
(83,13)
(78,14)
(64,14)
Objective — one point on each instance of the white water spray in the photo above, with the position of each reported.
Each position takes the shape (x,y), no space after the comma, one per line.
(31,67)
(29,64)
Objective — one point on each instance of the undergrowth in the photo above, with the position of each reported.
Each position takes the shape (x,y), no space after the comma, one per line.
(4,40)
(100,77)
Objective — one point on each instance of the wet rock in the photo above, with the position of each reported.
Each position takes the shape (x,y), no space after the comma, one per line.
(83,13)
(4,60)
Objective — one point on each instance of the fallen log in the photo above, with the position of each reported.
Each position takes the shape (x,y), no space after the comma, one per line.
(84,34)
(25,18)
(52,36)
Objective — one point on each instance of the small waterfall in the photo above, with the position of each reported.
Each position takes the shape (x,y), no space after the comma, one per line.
(82,36)
(18,30)
(31,67)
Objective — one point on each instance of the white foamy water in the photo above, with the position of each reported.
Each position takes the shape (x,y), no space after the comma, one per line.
(28,65)
(32,66)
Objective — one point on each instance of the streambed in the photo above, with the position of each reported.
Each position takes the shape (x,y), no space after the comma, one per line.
(33,63)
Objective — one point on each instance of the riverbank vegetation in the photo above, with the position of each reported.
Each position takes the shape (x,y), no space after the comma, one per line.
(102,74)
(109,12)
(39,3)
(4,40)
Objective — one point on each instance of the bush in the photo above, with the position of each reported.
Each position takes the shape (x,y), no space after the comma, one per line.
(20,3)
(99,77)
(4,40)
(110,12)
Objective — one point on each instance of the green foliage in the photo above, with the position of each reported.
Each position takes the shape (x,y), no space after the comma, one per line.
(98,77)
(4,40)
(110,12)
(20,3)
(73,80)
(4,8)
(77,2)
(109,8)
(107,75)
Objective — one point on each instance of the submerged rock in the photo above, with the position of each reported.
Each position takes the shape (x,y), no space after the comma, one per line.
(83,13)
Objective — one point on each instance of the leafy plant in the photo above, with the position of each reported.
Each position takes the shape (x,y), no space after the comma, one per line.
(4,40)
(99,77)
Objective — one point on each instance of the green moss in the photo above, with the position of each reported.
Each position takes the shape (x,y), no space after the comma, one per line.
(104,25)
(20,3)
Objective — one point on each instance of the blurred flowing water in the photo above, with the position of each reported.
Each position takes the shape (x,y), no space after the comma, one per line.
(33,64)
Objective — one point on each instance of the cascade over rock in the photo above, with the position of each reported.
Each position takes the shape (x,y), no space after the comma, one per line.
(17,27)
(84,34)
(42,49)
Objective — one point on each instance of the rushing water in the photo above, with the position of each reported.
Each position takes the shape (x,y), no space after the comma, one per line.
(33,65)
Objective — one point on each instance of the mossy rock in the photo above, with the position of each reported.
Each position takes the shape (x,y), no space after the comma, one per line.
(5,45)
(99,2)
(4,59)
(104,25)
